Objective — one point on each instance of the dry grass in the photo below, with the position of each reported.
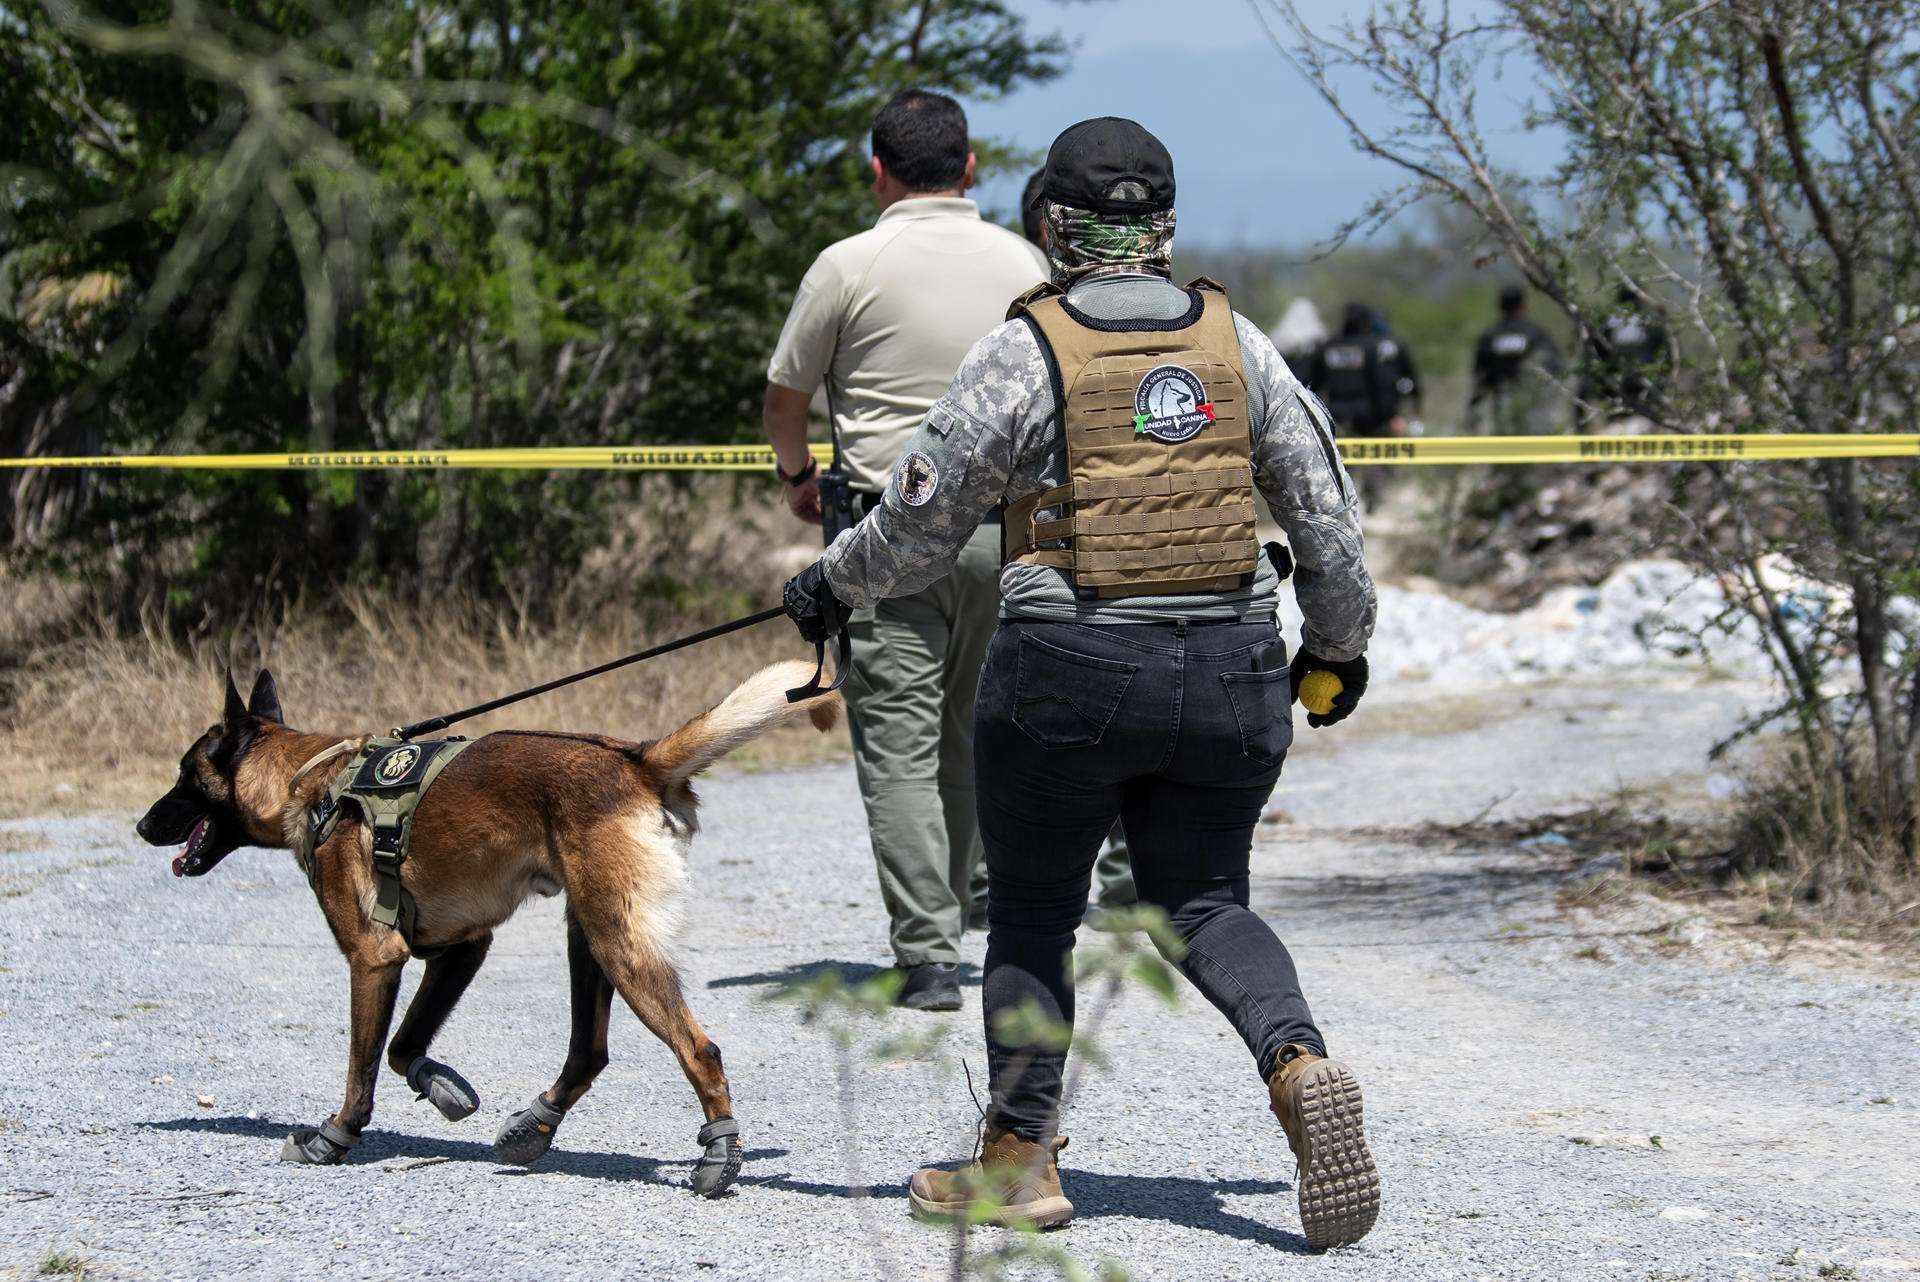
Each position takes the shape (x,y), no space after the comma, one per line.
(1695,858)
(99,722)
(92,719)
(34,604)
(1814,858)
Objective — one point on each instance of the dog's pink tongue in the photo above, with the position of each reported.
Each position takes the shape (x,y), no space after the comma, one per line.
(193,840)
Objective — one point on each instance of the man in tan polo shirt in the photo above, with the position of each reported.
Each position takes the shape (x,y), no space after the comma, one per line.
(882,319)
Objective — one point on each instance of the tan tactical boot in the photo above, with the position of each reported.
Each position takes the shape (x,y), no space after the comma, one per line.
(1014,1182)
(1318,1104)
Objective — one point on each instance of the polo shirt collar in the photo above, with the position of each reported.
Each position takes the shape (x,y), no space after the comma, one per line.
(928,207)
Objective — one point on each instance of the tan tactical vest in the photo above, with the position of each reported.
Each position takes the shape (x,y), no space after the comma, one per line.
(1160,499)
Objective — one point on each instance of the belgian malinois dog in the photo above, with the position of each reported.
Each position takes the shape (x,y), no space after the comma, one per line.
(518,813)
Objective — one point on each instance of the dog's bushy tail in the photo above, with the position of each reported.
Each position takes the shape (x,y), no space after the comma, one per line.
(756,706)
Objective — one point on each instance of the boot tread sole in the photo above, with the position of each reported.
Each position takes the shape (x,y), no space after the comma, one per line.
(1339,1185)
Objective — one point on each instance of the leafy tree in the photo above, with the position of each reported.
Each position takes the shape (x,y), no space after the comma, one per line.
(393,225)
(1749,170)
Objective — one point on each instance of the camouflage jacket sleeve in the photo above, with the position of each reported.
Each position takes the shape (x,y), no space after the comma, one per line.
(954,472)
(1300,474)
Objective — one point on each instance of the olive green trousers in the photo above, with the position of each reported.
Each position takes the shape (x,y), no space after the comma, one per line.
(916,666)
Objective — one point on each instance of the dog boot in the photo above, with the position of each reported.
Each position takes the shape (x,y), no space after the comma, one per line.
(720,1163)
(445,1089)
(323,1147)
(1014,1183)
(930,986)
(1318,1104)
(525,1137)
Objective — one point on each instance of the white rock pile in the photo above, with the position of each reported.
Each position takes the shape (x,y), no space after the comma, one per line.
(1647,612)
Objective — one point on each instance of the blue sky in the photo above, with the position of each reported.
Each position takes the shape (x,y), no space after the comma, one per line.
(1259,159)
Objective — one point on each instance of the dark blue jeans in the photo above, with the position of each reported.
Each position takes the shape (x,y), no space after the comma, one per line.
(1177,729)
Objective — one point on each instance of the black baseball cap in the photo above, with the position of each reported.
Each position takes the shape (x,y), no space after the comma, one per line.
(1087,165)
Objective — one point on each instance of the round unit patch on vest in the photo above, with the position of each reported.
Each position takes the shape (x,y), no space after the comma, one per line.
(394,766)
(919,478)
(1171,405)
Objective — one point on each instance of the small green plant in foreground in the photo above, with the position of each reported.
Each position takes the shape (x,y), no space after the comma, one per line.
(1133,946)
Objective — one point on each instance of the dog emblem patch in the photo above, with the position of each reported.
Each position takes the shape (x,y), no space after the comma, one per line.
(394,766)
(919,478)
(1171,405)
(391,766)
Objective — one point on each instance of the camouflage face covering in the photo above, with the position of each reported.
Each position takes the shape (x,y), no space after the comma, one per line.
(1082,243)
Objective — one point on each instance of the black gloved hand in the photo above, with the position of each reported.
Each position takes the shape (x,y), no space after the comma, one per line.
(1353,680)
(813,607)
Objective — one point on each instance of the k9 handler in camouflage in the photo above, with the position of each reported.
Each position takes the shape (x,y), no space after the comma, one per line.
(1160,695)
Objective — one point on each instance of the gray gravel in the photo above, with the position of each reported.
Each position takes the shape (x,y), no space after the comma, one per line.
(1513,1086)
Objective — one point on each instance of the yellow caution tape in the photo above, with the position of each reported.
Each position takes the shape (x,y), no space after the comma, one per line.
(1627,449)
(1365,452)
(645,458)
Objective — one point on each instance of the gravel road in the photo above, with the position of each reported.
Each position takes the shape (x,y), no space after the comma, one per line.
(158,1038)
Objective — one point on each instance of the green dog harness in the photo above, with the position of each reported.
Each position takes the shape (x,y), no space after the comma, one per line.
(385,781)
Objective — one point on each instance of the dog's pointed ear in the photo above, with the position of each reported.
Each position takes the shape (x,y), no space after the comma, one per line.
(265,700)
(236,709)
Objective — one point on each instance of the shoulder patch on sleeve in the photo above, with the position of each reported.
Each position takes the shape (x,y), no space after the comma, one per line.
(917,478)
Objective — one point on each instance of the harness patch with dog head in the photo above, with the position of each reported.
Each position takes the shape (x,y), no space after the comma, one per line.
(385,781)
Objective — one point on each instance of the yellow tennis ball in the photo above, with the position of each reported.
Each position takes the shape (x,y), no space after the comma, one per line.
(1317,690)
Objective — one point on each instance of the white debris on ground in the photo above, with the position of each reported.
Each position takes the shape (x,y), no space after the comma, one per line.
(1647,612)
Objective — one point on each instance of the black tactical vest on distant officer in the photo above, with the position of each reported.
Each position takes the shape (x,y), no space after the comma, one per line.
(1629,338)
(1505,349)
(1347,379)
(1361,378)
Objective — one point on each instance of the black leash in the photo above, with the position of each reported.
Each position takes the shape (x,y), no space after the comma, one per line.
(806,691)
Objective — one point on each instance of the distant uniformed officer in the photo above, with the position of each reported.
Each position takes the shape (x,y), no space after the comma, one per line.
(1511,366)
(1626,364)
(1123,424)
(1365,375)
(883,319)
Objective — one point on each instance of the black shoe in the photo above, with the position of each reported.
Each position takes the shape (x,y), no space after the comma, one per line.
(930,986)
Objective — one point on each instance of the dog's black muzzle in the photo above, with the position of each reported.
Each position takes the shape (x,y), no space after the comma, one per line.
(170,819)
(179,820)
